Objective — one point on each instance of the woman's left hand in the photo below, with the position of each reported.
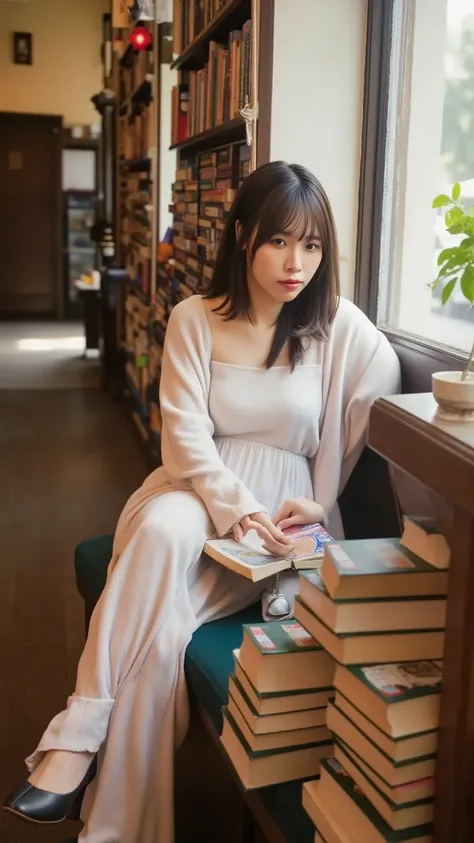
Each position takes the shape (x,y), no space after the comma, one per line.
(299,511)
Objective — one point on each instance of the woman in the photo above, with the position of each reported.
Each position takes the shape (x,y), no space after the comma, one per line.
(266,386)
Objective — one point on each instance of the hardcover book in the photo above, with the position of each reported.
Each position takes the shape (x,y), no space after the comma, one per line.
(267,767)
(283,656)
(401,698)
(422,536)
(372,647)
(371,568)
(370,614)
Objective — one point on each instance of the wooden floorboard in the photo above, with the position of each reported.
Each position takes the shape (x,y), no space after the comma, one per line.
(68,462)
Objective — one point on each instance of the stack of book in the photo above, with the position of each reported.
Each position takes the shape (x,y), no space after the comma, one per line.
(185,207)
(202,196)
(136,345)
(217,192)
(275,719)
(379,610)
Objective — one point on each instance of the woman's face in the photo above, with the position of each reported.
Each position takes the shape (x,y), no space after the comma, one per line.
(284,265)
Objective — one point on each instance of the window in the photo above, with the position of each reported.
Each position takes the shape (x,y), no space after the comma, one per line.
(429,146)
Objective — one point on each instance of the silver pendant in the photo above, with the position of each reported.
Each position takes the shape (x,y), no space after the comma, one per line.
(278,607)
(249,114)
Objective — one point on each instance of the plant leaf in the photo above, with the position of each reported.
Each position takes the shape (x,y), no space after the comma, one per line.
(453,264)
(456,192)
(442,200)
(467,283)
(454,216)
(468,226)
(447,290)
(455,229)
(445,254)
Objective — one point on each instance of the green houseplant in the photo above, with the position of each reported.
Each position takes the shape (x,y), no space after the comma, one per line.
(454,391)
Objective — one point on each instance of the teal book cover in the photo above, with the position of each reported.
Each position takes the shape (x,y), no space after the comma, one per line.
(402,681)
(359,557)
(278,638)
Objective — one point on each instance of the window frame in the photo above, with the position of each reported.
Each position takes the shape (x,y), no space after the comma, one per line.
(419,356)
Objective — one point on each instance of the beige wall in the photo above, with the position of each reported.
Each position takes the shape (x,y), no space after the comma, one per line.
(318,82)
(66,69)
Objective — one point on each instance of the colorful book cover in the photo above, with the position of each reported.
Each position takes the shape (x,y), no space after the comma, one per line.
(359,557)
(277,638)
(395,683)
(309,541)
(344,780)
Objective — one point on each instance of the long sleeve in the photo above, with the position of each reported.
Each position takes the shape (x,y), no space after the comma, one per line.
(187,445)
(359,367)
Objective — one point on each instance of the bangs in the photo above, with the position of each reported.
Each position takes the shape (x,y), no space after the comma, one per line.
(296,211)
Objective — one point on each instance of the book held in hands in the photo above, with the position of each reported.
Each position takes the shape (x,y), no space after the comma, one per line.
(249,559)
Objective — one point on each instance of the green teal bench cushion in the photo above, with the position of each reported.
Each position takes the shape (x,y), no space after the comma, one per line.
(208,664)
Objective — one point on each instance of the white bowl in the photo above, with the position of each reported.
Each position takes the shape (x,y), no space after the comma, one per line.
(455,397)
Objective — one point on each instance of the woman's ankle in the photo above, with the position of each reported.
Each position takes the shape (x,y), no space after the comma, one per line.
(61,771)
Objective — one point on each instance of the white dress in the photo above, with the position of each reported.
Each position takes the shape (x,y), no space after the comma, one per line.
(235,440)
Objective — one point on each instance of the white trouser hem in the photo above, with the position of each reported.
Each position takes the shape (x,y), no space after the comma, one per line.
(81,727)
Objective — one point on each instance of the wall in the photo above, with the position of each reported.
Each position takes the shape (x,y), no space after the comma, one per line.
(66,68)
(318,77)
(167,157)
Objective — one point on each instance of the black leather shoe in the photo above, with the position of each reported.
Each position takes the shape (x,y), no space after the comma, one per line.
(40,806)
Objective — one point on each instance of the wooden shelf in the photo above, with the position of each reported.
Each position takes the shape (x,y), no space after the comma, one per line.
(232,16)
(136,165)
(233,130)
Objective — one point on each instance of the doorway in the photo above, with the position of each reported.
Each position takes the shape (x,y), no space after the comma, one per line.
(30,210)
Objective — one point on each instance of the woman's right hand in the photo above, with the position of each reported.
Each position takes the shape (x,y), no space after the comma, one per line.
(274,540)
(299,511)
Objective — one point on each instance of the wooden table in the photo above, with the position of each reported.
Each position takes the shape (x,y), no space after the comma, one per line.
(406,431)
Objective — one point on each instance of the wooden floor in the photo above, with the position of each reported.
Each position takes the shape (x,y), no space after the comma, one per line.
(68,461)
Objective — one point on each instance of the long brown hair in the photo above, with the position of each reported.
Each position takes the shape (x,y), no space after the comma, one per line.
(279,197)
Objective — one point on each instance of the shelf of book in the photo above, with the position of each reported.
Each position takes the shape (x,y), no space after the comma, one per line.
(231,130)
(195,28)
(135,85)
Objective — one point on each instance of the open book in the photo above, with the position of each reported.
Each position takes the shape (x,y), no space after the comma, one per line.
(251,560)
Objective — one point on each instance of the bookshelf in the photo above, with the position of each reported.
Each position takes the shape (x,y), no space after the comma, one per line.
(135,80)
(222,63)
